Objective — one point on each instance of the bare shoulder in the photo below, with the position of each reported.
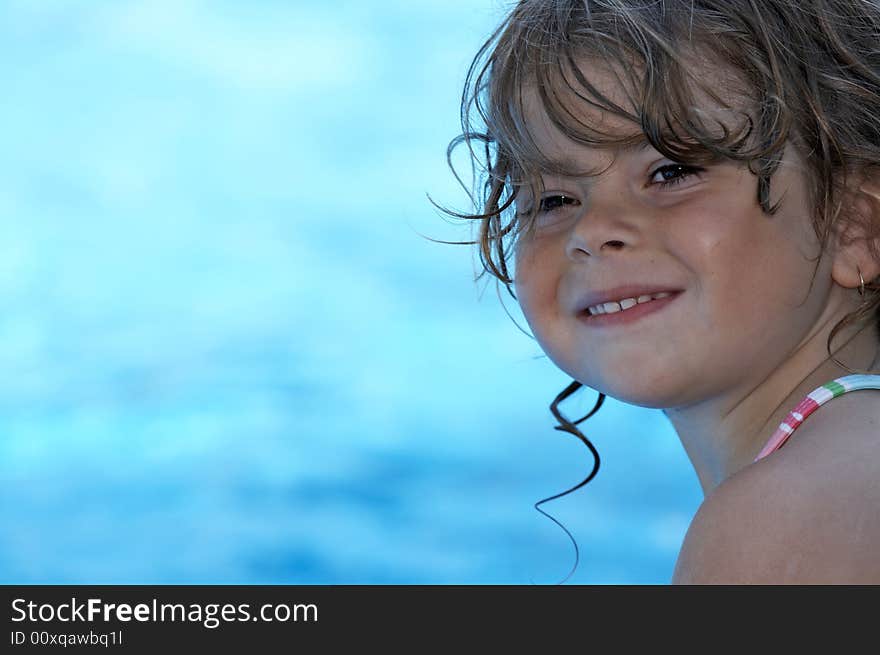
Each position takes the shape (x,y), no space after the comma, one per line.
(807,514)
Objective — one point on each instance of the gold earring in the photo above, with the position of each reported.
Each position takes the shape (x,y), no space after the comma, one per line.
(861,282)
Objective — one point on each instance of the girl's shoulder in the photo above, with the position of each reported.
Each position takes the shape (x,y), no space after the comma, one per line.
(809,513)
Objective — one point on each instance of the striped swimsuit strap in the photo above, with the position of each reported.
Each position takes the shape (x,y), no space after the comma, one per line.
(812,402)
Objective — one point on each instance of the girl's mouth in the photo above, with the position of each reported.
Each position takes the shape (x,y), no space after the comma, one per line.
(627,310)
(625,303)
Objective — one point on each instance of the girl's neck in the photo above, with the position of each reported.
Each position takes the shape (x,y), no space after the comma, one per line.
(724,434)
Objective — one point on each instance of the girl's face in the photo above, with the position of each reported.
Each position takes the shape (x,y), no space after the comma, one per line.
(741,300)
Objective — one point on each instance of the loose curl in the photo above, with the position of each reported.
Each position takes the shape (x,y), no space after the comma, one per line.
(807,70)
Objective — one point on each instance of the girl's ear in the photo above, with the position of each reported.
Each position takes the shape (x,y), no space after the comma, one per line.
(856,233)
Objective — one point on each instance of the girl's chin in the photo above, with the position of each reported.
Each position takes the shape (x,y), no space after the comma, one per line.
(643,393)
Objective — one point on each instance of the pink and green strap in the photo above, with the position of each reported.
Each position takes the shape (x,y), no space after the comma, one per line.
(812,402)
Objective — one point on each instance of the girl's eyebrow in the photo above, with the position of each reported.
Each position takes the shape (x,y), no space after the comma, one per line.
(628,145)
(633,142)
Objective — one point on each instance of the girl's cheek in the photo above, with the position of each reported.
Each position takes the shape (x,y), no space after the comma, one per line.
(523,266)
(527,276)
(534,252)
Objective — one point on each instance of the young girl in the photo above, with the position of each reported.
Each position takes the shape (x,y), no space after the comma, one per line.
(689,194)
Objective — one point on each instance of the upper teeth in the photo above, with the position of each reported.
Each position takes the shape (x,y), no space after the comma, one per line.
(626,303)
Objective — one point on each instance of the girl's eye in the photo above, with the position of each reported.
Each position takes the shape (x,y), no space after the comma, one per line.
(552,203)
(672,174)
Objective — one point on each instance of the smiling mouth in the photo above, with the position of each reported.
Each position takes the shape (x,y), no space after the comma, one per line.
(625,304)
(624,312)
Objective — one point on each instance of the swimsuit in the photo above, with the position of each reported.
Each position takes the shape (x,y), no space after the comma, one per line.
(811,403)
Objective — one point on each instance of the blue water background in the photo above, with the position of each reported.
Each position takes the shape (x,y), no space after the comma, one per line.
(230,356)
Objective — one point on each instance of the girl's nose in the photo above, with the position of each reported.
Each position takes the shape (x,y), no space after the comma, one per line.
(599,231)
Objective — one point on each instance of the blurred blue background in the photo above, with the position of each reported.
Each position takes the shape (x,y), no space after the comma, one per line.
(228,353)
